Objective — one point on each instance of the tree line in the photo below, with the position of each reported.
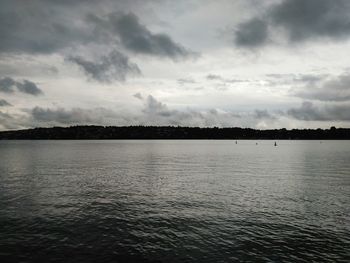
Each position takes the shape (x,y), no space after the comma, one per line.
(172,132)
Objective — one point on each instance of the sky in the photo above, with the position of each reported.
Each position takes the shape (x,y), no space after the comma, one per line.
(225,63)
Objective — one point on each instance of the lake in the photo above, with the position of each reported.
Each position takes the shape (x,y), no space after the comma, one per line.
(174,201)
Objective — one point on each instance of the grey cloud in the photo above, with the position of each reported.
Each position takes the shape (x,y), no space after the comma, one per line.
(214,77)
(158,113)
(154,112)
(115,66)
(137,38)
(39,116)
(300,20)
(4,103)
(29,88)
(252,33)
(313,18)
(333,89)
(44,27)
(183,81)
(14,121)
(61,116)
(7,85)
(6,121)
(294,79)
(309,112)
(138,95)
(263,114)
(38,27)
(153,106)
(310,79)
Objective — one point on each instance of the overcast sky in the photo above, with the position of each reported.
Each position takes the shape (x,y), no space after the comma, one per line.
(248,63)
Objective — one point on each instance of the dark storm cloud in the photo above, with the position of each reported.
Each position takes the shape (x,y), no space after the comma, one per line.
(252,33)
(333,89)
(137,38)
(115,66)
(4,103)
(8,84)
(309,112)
(300,20)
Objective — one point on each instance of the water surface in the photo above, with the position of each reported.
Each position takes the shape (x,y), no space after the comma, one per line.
(174,201)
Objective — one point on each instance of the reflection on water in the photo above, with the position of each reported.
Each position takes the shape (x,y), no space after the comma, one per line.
(174,201)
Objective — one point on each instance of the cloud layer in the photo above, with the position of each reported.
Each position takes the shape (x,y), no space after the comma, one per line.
(262,64)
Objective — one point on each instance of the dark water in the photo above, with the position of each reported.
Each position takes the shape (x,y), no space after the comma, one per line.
(174,201)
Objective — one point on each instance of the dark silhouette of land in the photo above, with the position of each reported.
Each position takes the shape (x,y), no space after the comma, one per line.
(170,132)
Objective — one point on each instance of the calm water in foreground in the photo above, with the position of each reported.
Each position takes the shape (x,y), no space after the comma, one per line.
(174,201)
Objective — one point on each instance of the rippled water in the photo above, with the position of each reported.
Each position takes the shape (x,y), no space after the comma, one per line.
(174,201)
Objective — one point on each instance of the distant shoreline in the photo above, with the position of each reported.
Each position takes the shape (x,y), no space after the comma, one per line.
(172,133)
